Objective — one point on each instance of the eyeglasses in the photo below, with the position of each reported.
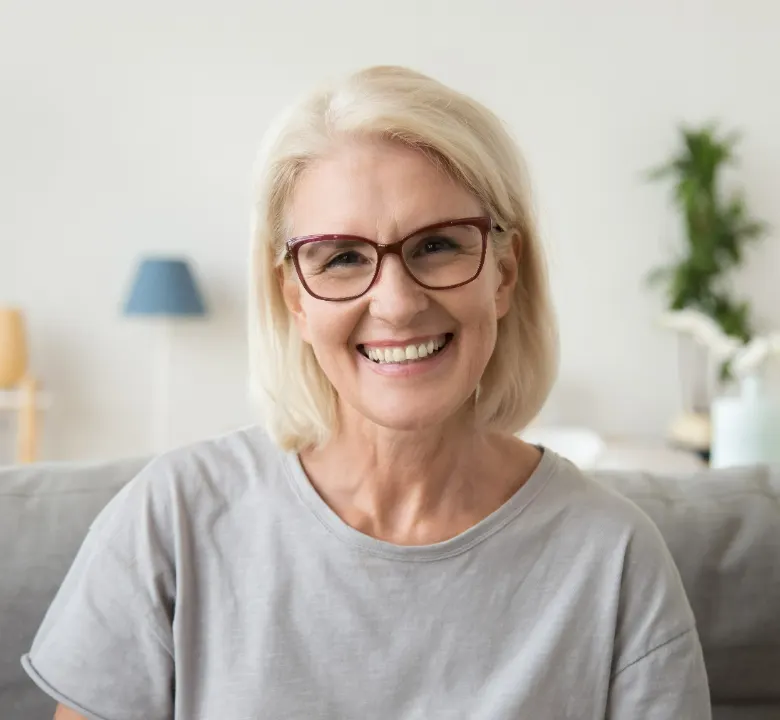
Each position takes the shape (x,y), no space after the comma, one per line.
(438,257)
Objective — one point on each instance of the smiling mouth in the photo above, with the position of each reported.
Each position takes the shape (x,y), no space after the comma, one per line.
(407,354)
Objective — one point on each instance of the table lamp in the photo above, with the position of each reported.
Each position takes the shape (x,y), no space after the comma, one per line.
(164,288)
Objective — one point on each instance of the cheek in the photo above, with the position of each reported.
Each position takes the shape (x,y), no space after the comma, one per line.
(482,307)
(479,316)
(329,325)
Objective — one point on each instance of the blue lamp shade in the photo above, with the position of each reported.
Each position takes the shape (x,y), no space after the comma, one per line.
(164,286)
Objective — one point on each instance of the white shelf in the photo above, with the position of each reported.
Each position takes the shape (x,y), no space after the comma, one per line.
(591,451)
(12,400)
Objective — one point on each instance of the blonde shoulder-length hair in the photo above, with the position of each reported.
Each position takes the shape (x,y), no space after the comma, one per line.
(295,400)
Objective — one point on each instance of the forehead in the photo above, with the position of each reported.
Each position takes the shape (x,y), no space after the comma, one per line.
(378,189)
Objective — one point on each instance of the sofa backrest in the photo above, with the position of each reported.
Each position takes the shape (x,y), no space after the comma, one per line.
(723,530)
(722,527)
(45,513)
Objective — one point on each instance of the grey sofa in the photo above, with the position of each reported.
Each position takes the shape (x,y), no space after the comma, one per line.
(723,529)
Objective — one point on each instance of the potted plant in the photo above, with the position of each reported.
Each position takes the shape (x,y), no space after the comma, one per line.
(717,232)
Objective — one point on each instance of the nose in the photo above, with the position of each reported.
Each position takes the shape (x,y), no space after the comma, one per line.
(395,297)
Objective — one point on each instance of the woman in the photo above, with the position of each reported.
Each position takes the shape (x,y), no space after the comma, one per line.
(386,548)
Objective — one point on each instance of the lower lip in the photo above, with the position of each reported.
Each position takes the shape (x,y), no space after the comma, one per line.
(408,369)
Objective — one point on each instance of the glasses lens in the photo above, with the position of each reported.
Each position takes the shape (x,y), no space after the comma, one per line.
(337,268)
(445,256)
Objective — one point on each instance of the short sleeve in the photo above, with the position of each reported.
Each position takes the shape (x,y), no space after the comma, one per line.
(105,646)
(658,666)
(669,682)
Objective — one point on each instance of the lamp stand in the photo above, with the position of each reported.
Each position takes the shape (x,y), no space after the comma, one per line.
(163,419)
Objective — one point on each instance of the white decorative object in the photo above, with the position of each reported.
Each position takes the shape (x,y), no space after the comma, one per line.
(751,359)
(703,329)
(746,428)
(745,358)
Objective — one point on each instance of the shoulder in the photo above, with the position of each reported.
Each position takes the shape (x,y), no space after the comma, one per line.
(652,607)
(225,463)
(605,523)
(213,473)
(585,501)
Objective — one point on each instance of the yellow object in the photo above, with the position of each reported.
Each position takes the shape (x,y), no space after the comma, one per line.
(13,347)
(28,421)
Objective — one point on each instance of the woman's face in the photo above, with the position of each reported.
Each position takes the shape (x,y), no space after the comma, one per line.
(385,191)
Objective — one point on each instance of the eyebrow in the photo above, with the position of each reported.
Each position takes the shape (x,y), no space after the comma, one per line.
(345,239)
(331,243)
(337,240)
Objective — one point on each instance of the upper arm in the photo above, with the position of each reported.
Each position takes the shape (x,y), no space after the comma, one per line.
(105,646)
(658,667)
(670,681)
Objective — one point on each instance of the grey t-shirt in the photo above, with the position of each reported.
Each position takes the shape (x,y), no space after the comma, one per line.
(218,585)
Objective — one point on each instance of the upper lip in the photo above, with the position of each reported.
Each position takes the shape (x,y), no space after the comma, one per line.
(419,340)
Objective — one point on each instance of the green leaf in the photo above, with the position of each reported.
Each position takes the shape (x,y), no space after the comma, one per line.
(717,229)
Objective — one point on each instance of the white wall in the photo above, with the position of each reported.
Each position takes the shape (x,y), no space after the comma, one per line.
(131,127)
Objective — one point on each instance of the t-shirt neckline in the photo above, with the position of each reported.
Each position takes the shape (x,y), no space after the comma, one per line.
(460,543)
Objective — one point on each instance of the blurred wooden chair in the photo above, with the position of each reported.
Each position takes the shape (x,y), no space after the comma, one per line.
(24,402)
(27,424)
(18,386)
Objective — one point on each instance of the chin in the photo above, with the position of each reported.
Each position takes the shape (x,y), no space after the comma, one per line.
(424,411)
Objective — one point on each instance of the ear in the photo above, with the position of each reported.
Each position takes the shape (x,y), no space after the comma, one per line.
(508,275)
(291,291)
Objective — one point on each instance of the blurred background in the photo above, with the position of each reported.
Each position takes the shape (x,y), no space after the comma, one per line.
(128,133)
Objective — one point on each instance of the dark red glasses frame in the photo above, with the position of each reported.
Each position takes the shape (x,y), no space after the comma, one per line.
(483,224)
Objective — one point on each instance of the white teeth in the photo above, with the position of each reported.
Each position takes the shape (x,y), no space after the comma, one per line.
(405,354)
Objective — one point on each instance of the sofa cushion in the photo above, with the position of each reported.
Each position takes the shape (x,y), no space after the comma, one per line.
(45,512)
(723,530)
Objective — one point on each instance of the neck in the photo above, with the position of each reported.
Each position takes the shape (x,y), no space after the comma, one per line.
(417,486)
